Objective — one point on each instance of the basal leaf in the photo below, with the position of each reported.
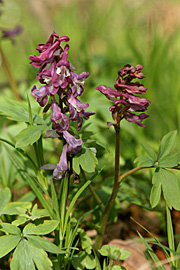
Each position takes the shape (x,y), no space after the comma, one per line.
(9,228)
(8,243)
(15,112)
(39,257)
(86,160)
(5,196)
(29,135)
(144,162)
(149,150)
(155,195)
(11,208)
(22,259)
(46,227)
(167,143)
(169,161)
(20,221)
(45,244)
(18,111)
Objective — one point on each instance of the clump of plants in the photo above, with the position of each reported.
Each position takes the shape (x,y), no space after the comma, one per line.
(51,236)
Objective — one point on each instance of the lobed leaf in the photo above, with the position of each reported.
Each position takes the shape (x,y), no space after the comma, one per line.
(45,244)
(8,243)
(144,162)
(167,143)
(29,135)
(21,259)
(149,150)
(11,207)
(9,228)
(5,196)
(155,195)
(86,160)
(170,186)
(46,227)
(169,161)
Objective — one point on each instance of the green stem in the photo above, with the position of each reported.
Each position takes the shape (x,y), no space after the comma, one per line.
(122,177)
(94,194)
(108,206)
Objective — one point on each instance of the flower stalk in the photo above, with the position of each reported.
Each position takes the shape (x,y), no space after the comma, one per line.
(108,206)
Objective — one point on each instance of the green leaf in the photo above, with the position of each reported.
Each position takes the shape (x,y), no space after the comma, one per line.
(124,254)
(22,260)
(155,195)
(73,203)
(38,213)
(5,196)
(39,257)
(86,159)
(18,111)
(11,208)
(9,228)
(151,252)
(144,162)
(20,221)
(83,260)
(169,161)
(13,111)
(149,150)
(167,143)
(170,233)
(29,135)
(105,250)
(170,187)
(8,243)
(86,241)
(44,244)
(46,227)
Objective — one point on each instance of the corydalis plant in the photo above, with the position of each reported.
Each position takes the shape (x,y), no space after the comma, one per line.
(126,105)
(61,83)
(126,101)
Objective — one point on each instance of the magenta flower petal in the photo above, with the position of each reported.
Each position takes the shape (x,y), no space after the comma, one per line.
(62,167)
(61,121)
(73,145)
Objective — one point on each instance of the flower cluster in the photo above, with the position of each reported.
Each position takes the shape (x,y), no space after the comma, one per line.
(126,101)
(60,82)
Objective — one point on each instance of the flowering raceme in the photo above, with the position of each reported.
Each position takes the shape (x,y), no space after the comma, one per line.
(57,75)
(126,101)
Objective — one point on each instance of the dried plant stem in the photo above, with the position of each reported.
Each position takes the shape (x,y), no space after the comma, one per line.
(9,75)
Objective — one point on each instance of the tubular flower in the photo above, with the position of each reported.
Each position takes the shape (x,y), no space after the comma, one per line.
(60,82)
(124,96)
(62,166)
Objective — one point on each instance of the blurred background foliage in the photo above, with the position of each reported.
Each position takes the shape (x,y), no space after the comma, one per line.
(104,36)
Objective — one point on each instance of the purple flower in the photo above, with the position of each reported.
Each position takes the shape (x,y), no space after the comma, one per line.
(61,121)
(11,33)
(82,115)
(40,94)
(125,97)
(73,145)
(62,74)
(75,106)
(48,51)
(135,118)
(62,167)
(133,72)
(78,82)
